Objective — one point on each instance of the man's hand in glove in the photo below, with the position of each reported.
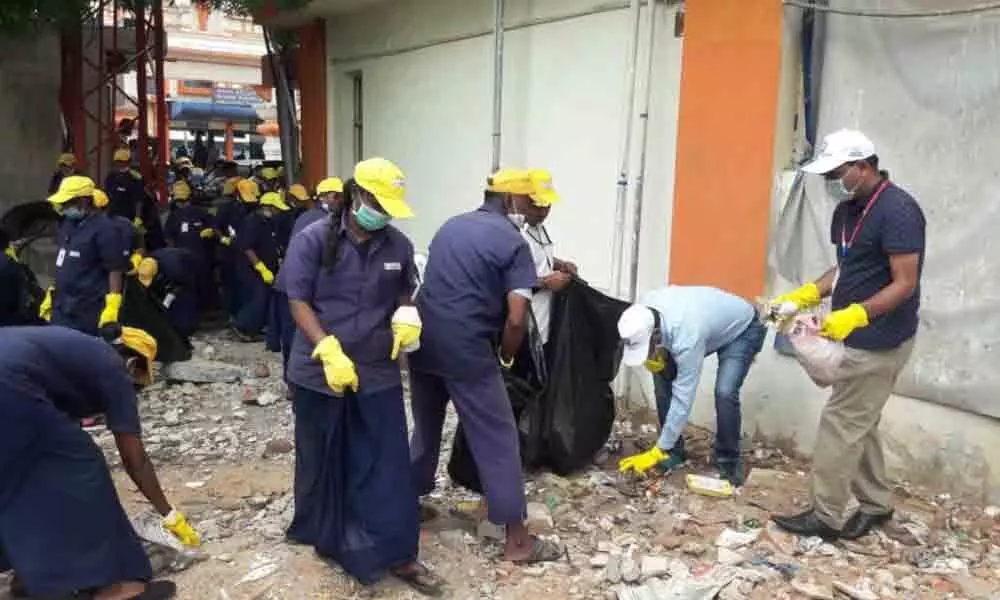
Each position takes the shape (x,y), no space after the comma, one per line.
(45,309)
(138,225)
(406,327)
(839,324)
(207,234)
(337,366)
(644,461)
(112,305)
(265,273)
(177,524)
(805,297)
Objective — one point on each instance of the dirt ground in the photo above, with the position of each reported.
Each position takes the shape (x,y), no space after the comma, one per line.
(223,452)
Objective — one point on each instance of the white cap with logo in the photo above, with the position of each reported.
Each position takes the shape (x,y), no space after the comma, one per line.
(838,148)
(635,327)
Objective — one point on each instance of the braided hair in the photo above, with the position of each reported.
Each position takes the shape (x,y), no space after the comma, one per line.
(332,245)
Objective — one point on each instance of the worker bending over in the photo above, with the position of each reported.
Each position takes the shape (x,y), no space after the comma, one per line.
(690,323)
(62,527)
(263,240)
(89,267)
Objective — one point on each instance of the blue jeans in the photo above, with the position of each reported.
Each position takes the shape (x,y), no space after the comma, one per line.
(735,359)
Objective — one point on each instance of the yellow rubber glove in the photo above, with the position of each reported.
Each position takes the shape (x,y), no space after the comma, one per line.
(841,323)
(806,296)
(642,462)
(45,308)
(207,234)
(112,305)
(11,253)
(406,327)
(657,363)
(177,524)
(226,241)
(138,225)
(337,366)
(265,273)
(134,260)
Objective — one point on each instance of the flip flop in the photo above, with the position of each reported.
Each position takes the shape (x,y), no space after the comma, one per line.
(542,551)
(421,579)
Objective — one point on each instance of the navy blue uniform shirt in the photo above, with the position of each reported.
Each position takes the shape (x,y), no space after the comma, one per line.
(474,261)
(88,251)
(894,225)
(125,191)
(184,226)
(265,236)
(355,301)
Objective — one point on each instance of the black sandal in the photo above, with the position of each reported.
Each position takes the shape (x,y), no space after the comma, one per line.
(421,579)
(542,551)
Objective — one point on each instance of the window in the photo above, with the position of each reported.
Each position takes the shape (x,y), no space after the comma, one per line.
(357,82)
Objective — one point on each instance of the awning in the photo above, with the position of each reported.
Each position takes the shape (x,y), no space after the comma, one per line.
(243,116)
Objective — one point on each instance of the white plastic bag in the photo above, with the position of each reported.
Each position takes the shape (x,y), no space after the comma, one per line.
(821,357)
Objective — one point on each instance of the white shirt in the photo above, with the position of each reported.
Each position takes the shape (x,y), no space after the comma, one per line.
(543,254)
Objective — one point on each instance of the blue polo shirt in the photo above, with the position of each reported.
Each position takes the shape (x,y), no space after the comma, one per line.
(894,225)
(354,300)
(264,236)
(474,261)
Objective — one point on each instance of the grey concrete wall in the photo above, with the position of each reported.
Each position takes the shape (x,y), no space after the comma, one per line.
(30,129)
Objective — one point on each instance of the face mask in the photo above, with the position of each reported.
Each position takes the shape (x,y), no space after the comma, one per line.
(74,213)
(836,189)
(370,219)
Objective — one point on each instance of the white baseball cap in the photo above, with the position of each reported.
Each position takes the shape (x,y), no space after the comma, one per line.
(635,327)
(840,147)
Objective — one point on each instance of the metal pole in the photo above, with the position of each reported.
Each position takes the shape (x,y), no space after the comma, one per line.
(286,110)
(162,132)
(640,183)
(498,39)
(628,111)
(142,93)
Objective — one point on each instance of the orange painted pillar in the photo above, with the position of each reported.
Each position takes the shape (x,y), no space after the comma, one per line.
(229,140)
(731,69)
(312,87)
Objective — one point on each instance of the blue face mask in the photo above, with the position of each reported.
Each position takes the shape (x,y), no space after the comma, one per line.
(74,213)
(370,219)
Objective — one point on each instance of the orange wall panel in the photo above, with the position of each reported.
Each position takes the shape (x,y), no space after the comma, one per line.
(725,144)
(312,86)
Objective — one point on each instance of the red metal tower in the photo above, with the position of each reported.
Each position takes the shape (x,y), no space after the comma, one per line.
(117,37)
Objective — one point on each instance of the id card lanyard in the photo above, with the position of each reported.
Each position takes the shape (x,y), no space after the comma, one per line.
(845,242)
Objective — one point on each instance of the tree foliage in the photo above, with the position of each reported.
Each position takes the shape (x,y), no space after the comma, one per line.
(23,17)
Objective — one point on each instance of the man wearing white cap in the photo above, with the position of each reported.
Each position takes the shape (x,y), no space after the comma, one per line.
(878,230)
(689,323)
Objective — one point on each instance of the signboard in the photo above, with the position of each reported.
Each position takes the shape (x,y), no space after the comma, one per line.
(244,96)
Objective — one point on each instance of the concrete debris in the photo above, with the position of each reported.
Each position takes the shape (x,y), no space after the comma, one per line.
(229,467)
(197,370)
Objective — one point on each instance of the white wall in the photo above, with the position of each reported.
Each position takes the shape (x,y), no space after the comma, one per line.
(429,109)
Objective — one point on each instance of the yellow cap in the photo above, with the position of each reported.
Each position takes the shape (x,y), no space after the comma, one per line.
(269,173)
(330,184)
(181,190)
(74,186)
(144,345)
(510,181)
(66,160)
(101,199)
(248,190)
(386,182)
(542,193)
(229,187)
(147,270)
(273,199)
(299,191)
(121,155)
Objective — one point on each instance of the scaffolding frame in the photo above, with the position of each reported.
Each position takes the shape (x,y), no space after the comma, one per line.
(94,59)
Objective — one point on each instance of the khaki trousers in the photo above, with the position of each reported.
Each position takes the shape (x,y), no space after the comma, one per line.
(848,459)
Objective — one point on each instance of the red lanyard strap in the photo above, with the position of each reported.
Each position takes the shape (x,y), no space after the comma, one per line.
(844,241)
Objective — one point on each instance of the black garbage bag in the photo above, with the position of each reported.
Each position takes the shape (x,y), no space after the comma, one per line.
(561,396)
(141,311)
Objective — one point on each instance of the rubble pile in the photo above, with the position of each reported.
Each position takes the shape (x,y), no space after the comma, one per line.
(224,446)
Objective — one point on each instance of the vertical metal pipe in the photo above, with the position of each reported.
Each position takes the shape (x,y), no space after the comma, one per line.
(640,183)
(498,39)
(103,132)
(286,109)
(162,131)
(628,111)
(142,93)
